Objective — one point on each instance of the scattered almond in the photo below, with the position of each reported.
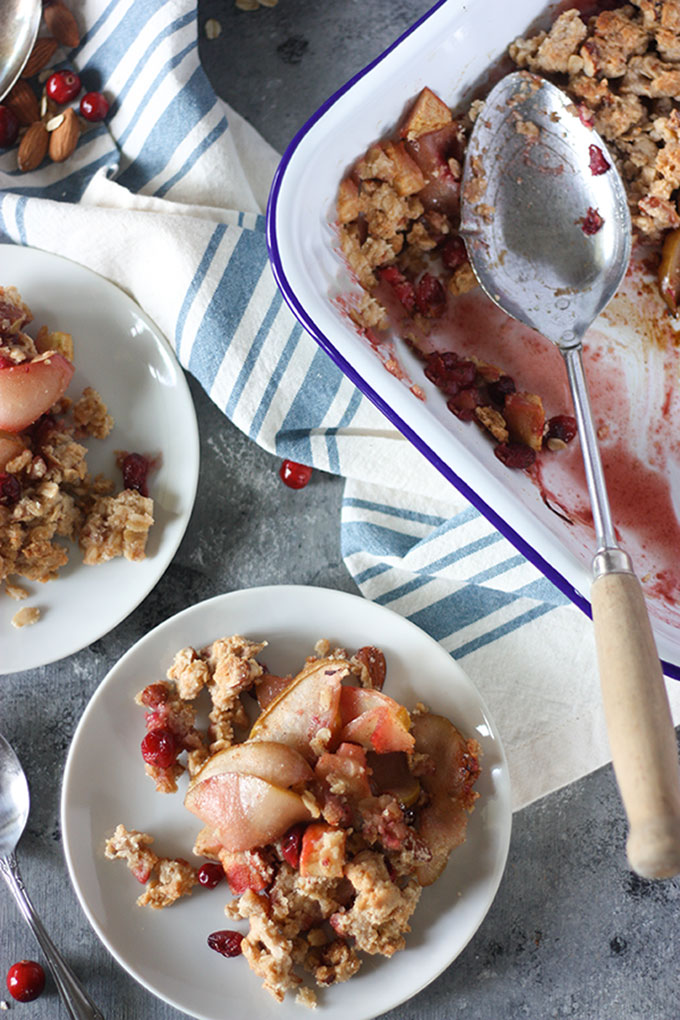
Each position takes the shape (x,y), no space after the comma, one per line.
(61,23)
(54,122)
(23,103)
(33,147)
(41,54)
(64,138)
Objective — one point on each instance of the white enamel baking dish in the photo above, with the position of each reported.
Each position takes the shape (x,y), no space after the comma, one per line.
(450,49)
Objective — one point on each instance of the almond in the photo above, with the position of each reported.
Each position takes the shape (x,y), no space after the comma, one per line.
(41,54)
(64,138)
(23,103)
(61,23)
(33,147)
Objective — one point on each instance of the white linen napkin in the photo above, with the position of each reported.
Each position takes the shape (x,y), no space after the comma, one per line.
(166,199)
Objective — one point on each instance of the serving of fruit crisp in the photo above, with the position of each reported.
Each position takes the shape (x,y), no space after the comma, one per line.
(48,499)
(325,804)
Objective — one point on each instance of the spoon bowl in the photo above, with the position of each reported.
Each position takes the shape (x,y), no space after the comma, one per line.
(19,24)
(546,222)
(14,807)
(525,235)
(14,799)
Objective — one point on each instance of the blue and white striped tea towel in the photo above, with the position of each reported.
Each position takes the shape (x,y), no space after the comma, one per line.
(166,200)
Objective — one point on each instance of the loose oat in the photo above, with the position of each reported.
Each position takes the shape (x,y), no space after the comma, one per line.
(212,28)
(26,617)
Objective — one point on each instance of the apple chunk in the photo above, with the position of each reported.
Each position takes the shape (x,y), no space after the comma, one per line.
(374,721)
(275,763)
(442,823)
(310,703)
(30,388)
(245,811)
(525,418)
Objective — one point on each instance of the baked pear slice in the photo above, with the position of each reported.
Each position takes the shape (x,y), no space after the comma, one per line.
(244,811)
(308,705)
(275,763)
(442,823)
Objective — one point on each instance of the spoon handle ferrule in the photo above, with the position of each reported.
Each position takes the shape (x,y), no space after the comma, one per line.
(77,1002)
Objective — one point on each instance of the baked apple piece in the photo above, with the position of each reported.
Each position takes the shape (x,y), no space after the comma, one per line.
(310,703)
(428,113)
(30,388)
(442,822)
(322,854)
(374,721)
(525,418)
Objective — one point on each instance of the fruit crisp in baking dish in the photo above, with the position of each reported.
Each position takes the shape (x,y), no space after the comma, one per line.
(46,491)
(327,815)
(398,207)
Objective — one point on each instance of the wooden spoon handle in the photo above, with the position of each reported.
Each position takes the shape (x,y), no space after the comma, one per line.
(639,724)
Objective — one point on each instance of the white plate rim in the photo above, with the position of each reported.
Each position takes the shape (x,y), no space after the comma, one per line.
(326,599)
(39,653)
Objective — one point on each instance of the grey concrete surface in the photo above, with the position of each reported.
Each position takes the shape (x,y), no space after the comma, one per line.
(572,933)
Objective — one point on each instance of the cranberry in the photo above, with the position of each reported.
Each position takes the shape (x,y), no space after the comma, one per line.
(499,389)
(402,287)
(454,253)
(515,455)
(449,372)
(598,162)
(25,980)
(135,468)
(591,222)
(430,297)
(210,874)
(154,695)
(463,404)
(159,748)
(290,843)
(94,106)
(226,942)
(63,86)
(10,489)
(9,127)
(294,475)
(5,362)
(563,427)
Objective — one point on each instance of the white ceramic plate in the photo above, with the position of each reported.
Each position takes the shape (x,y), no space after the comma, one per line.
(119,352)
(104,784)
(632,362)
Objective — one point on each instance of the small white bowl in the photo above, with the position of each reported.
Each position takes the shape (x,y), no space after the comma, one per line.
(450,49)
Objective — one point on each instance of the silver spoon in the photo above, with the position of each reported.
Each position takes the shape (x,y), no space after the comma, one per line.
(549,238)
(19,23)
(14,804)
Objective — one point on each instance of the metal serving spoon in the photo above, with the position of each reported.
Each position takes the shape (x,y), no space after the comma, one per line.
(19,23)
(547,228)
(14,804)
